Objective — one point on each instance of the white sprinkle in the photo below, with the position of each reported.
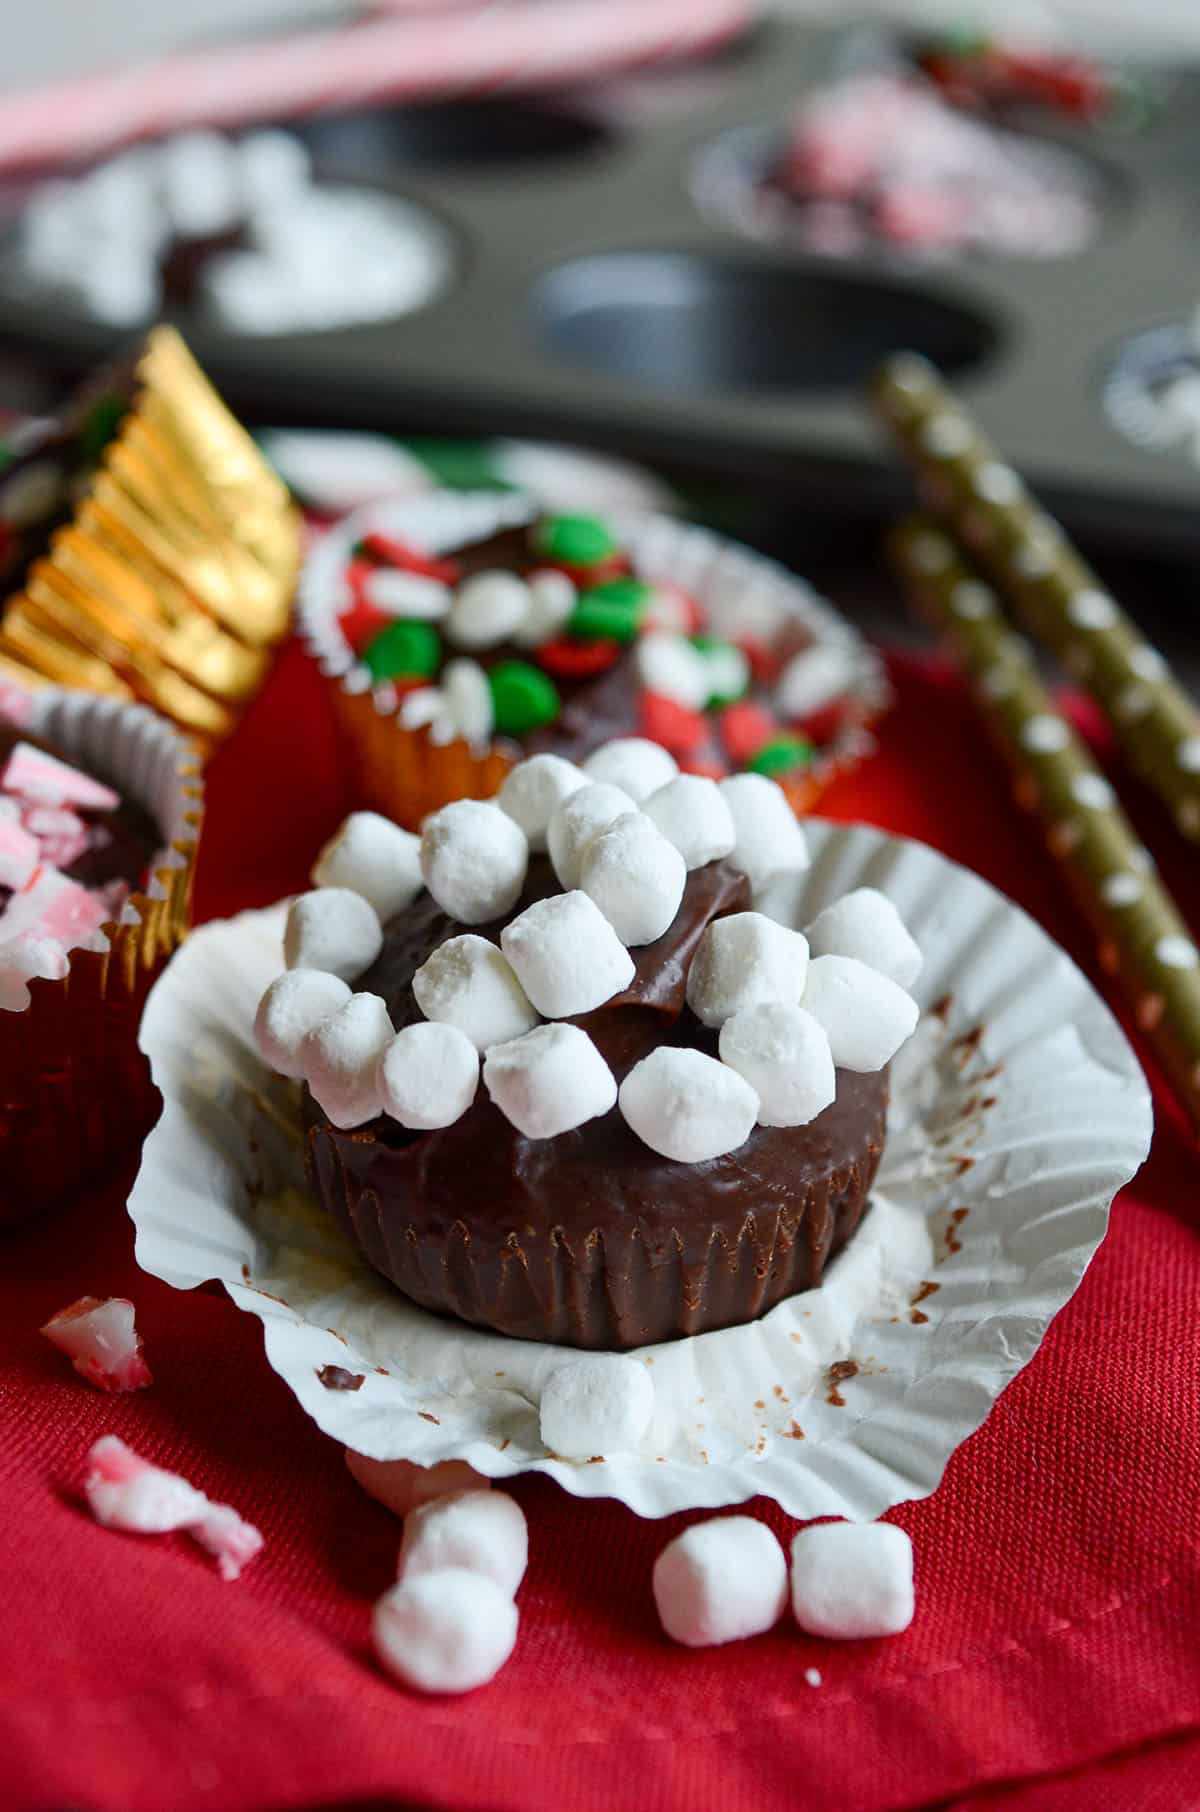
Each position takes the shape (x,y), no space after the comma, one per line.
(669,665)
(1147,663)
(1121,889)
(1035,558)
(552,597)
(468,699)
(1045,735)
(1176,953)
(972,600)
(1091,610)
(1093,791)
(945,436)
(997,483)
(488,608)
(403,594)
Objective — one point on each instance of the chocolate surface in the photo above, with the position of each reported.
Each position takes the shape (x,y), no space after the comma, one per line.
(591,1238)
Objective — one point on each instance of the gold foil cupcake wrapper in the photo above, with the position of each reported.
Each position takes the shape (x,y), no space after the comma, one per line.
(75,1090)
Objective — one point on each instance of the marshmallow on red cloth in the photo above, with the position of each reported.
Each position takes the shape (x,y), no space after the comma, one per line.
(100,1339)
(126,1492)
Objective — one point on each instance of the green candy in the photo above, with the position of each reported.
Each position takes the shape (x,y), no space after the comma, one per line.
(609,612)
(782,755)
(523,698)
(576,540)
(403,647)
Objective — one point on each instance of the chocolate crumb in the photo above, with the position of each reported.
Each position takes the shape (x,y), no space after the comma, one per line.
(504,1443)
(795,1432)
(941,1007)
(839,1371)
(759,1404)
(962,1165)
(780,1393)
(597,1459)
(926,1289)
(336,1377)
(426,1417)
(245,1274)
(988,1101)
(970,1041)
(918,1316)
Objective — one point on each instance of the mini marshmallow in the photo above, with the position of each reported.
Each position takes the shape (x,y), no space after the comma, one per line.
(469,699)
(635,876)
(576,820)
(340,1058)
(102,1343)
(428,1076)
(852,1579)
(669,665)
(445,1632)
(483,1531)
(633,763)
(534,790)
(566,955)
(687,1106)
(785,1057)
(294,1005)
(473,858)
(549,1081)
(866,925)
(552,597)
(470,984)
(372,856)
(813,679)
(404,594)
(332,929)
(769,840)
(400,1486)
(488,608)
(596,1405)
(720,1581)
(692,814)
(865,1016)
(742,960)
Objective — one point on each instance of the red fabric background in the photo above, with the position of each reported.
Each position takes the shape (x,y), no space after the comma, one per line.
(1054,1662)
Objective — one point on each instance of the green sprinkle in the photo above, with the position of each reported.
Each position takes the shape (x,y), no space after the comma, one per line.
(103,420)
(576,540)
(782,755)
(523,698)
(610,612)
(404,647)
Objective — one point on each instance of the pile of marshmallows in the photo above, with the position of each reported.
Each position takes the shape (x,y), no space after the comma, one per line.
(449,1623)
(622,833)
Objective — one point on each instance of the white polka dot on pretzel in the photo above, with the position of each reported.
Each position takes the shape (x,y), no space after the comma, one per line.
(784,1055)
(332,929)
(1044,734)
(488,608)
(692,813)
(469,984)
(635,876)
(634,763)
(1090,609)
(1175,952)
(293,1006)
(769,839)
(852,1580)
(449,1631)
(743,959)
(340,1059)
(473,858)
(576,820)
(720,1581)
(1187,754)
(687,1106)
(566,955)
(374,857)
(483,1531)
(533,791)
(865,1016)
(596,1405)
(428,1076)
(549,1081)
(866,924)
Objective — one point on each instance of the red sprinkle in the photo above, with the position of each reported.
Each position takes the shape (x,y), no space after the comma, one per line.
(745,727)
(577,660)
(360,623)
(673,725)
(410,559)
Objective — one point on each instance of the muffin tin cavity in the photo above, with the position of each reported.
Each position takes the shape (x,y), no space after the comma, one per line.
(1151,389)
(451,135)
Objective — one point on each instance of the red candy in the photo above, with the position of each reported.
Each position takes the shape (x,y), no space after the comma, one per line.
(614,567)
(673,725)
(577,660)
(361,623)
(702,765)
(745,727)
(764,662)
(391,552)
(822,726)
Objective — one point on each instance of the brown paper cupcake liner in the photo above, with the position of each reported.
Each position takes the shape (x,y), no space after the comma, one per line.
(75,1090)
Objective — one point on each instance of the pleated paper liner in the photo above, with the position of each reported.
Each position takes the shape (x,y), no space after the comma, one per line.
(75,1090)
(174,576)
(404,773)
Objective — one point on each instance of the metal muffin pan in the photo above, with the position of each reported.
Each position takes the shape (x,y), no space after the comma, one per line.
(593,301)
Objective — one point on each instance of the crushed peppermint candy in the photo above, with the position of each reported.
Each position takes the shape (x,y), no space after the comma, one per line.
(126,1492)
(99,1338)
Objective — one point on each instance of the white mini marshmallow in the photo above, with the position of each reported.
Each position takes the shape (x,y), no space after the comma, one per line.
(549,1081)
(428,1076)
(769,840)
(866,1017)
(534,790)
(813,679)
(552,597)
(473,858)
(483,1531)
(720,1581)
(566,955)
(403,594)
(292,1007)
(576,820)
(445,1632)
(785,1057)
(372,856)
(669,665)
(693,815)
(470,984)
(596,1405)
(469,699)
(743,960)
(635,876)
(852,1579)
(332,929)
(865,924)
(488,608)
(340,1058)
(687,1106)
(633,763)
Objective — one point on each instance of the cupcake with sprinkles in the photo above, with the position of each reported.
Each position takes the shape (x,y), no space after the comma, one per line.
(561,1077)
(462,631)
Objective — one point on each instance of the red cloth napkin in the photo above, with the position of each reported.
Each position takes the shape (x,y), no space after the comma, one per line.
(1058,1566)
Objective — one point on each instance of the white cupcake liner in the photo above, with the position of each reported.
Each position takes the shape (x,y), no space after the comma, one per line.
(1018,1111)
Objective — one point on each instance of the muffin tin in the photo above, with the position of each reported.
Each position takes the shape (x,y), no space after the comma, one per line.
(594,301)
